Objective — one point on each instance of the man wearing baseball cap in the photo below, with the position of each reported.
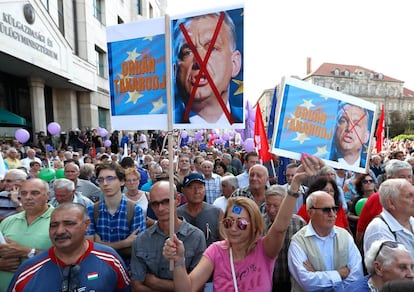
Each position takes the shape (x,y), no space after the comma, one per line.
(197,212)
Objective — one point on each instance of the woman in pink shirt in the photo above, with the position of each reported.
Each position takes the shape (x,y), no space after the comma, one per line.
(244,260)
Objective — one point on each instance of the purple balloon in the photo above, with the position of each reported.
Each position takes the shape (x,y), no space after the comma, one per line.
(22,135)
(249,145)
(102,132)
(225,137)
(53,128)
(107,143)
(184,134)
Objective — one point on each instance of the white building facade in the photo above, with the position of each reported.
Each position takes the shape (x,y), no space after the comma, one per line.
(53,62)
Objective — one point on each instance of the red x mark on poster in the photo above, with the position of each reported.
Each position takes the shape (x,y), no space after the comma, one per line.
(354,125)
(203,70)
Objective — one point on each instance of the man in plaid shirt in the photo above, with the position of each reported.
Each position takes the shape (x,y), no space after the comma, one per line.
(112,227)
(273,197)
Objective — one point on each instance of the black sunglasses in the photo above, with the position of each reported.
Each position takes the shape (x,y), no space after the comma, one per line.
(240,222)
(70,278)
(156,204)
(390,244)
(327,210)
(367,181)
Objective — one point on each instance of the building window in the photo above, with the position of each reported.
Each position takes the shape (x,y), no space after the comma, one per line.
(346,73)
(336,72)
(45,4)
(100,62)
(61,17)
(102,117)
(97,10)
(139,8)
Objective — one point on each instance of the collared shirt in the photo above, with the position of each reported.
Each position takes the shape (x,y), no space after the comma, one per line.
(245,192)
(146,256)
(78,198)
(378,229)
(243,179)
(328,280)
(113,228)
(35,235)
(213,188)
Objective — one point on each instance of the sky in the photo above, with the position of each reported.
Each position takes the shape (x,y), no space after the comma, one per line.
(281,35)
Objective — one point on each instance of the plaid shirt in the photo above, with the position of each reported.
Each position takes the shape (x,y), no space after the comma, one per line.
(245,192)
(281,272)
(113,228)
(213,188)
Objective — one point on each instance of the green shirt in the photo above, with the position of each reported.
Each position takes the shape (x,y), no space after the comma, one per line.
(35,235)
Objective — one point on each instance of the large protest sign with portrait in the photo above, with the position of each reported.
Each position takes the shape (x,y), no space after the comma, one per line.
(137,75)
(333,126)
(207,69)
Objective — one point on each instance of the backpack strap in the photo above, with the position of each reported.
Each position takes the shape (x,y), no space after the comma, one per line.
(130,210)
(389,228)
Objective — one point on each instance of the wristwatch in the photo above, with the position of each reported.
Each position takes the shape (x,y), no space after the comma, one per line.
(32,253)
(293,194)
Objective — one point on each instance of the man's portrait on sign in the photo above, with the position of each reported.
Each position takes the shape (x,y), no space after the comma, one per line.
(207,55)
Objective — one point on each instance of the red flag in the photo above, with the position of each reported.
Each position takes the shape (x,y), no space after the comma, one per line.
(260,137)
(380,131)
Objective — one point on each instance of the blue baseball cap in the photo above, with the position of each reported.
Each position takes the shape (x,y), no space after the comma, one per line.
(193,177)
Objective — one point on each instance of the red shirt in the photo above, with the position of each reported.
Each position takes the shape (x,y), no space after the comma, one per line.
(341,219)
(371,209)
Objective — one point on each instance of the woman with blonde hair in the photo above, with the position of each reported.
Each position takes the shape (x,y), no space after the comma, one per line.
(245,259)
(132,178)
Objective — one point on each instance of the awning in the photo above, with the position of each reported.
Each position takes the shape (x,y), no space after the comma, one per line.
(9,118)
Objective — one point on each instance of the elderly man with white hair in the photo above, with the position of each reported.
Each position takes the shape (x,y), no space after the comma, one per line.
(385,261)
(64,190)
(395,222)
(322,256)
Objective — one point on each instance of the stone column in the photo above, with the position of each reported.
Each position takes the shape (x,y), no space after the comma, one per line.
(37,102)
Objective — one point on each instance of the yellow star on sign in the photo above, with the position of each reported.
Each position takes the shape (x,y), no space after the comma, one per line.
(158,104)
(134,96)
(132,56)
(240,84)
(149,38)
(307,103)
(321,151)
(301,137)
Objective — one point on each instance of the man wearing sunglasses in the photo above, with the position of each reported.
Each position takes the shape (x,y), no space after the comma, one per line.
(321,255)
(149,269)
(395,222)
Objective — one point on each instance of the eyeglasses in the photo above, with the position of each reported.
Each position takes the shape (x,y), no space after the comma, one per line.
(156,204)
(390,244)
(367,181)
(327,210)
(70,281)
(101,180)
(240,222)
(10,180)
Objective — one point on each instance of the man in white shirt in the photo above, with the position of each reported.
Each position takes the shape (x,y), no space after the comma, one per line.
(395,222)
(31,156)
(322,256)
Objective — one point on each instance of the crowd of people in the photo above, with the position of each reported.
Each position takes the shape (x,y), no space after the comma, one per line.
(239,225)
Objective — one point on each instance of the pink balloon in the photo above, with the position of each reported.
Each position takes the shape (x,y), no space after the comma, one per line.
(249,145)
(22,135)
(107,143)
(53,128)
